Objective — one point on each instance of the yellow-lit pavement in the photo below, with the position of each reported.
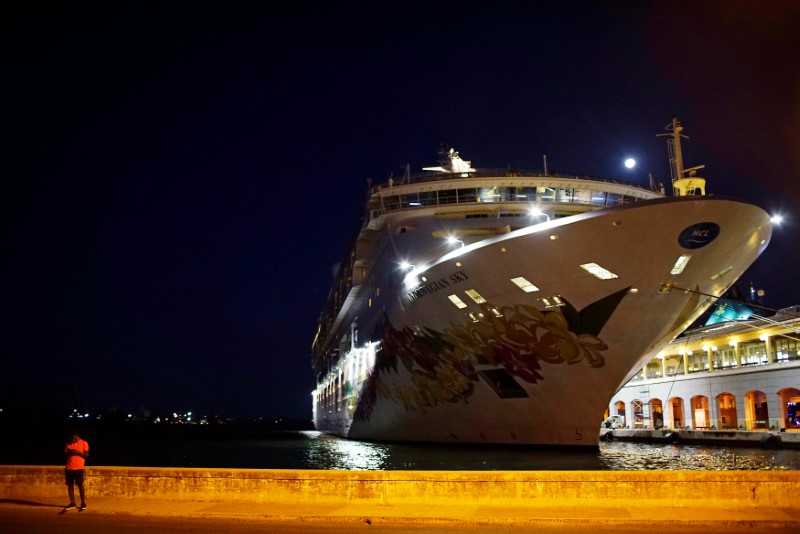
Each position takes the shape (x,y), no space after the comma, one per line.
(606,518)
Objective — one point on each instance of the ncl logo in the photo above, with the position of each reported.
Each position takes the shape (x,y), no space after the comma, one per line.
(698,235)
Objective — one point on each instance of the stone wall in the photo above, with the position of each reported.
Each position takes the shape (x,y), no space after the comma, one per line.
(496,488)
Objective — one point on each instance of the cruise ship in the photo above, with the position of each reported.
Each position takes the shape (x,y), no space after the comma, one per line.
(507,307)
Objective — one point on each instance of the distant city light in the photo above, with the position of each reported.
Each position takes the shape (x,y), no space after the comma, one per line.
(630,163)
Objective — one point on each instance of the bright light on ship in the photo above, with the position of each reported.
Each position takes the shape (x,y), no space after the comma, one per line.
(404,265)
(536,212)
(474,295)
(524,284)
(457,301)
(680,264)
(776,219)
(630,163)
(552,302)
(411,280)
(452,240)
(599,272)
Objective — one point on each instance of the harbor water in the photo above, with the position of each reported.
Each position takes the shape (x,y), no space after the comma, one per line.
(258,445)
(315,450)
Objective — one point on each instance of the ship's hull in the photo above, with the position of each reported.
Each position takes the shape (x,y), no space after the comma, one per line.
(536,368)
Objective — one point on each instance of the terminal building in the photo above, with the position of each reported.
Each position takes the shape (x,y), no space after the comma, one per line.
(727,375)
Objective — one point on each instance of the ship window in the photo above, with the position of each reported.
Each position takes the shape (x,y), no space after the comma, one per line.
(457,302)
(474,295)
(503,384)
(467,195)
(598,271)
(428,198)
(411,199)
(391,203)
(489,194)
(524,284)
(525,193)
(448,197)
(680,264)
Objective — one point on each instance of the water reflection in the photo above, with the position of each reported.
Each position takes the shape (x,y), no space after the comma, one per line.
(315,450)
(335,453)
(638,456)
(323,451)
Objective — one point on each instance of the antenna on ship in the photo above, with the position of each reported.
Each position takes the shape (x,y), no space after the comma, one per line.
(682,185)
(544,157)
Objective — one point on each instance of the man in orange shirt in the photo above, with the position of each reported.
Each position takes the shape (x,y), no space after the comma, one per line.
(76,451)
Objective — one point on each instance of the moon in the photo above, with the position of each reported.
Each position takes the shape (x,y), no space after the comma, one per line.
(630,163)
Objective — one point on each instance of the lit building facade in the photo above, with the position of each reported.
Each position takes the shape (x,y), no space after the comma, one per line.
(737,375)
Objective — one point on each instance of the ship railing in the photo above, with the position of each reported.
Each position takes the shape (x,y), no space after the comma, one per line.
(442,198)
(523,195)
(496,173)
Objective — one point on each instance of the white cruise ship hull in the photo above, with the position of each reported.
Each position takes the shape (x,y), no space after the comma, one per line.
(538,367)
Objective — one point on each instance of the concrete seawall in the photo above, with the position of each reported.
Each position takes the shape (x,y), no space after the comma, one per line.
(672,489)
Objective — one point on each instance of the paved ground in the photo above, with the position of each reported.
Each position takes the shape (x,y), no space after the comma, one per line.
(178,516)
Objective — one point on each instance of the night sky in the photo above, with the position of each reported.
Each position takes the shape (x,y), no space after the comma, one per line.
(178,179)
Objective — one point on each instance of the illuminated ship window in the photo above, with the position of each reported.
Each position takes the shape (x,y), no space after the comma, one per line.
(552,302)
(369,304)
(474,295)
(524,284)
(680,264)
(457,301)
(599,272)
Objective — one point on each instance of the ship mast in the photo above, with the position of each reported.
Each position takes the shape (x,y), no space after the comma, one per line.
(684,181)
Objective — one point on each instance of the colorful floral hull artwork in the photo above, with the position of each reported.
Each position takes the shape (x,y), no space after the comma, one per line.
(516,338)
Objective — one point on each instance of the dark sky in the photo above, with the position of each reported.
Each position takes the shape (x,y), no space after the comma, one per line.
(178,179)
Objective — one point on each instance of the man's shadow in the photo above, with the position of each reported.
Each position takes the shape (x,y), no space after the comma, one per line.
(32,503)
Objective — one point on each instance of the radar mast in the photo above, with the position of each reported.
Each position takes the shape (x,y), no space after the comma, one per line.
(685,182)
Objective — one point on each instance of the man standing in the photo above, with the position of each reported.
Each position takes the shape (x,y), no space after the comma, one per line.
(76,452)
